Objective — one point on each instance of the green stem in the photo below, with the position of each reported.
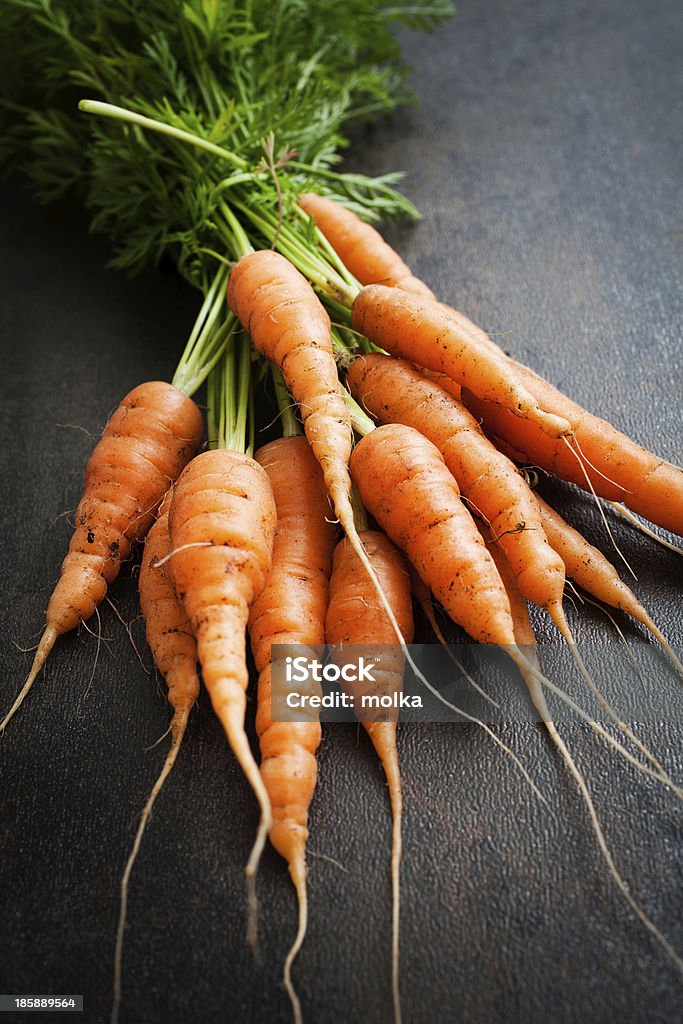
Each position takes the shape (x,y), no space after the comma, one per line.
(130,117)
(285,403)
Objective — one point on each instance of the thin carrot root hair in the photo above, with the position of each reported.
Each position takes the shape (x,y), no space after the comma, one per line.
(424,599)
(298,874)
(525,637)
(178,727)
(557,614)
(596,574)
(538,698)
(630,517)
(581,459)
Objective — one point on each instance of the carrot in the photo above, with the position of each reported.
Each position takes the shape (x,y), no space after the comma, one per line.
(356,616)
(289,326)
(526,639)
(403,481)
(222,521)
(419,329)
(291,610)
(595,573)
(393,392)
(153,433)
(174,650)
(618,469)
(360,247)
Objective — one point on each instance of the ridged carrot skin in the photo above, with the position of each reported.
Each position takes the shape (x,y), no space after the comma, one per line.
(153,434)
(404,482)
(356,616)
(291,609)
(393,392)
(642,481)
(423,331)
(290,327)
(360,247)
(222,523)
(167,627)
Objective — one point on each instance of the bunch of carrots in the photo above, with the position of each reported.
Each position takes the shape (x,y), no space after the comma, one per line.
(423,432)
(400,475)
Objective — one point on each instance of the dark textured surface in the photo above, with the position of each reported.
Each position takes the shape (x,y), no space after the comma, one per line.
(543,158)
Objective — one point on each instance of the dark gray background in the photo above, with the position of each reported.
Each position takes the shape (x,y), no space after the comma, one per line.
(545,158)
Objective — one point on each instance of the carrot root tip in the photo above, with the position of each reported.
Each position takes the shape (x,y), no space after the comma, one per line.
(47,642)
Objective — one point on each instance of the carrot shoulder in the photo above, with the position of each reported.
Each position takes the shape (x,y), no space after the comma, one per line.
(360,247)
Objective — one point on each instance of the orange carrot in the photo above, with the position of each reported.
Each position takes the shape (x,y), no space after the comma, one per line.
(222,522)
(403,481)
(291,610)
(419,329)
(617,467)
(356,616)
(360,247)
(393,392)
(154,432)
(174,650)
(289,326)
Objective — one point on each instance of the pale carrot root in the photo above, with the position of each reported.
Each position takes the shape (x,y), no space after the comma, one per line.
(178,727)
(383,737)
(47,642)
(298,874)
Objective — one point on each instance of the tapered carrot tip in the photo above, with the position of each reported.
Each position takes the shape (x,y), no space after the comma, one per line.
(47,642)
(298,874)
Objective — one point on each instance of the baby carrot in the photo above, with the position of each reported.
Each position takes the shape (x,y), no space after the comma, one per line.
(153,433)
(291,609)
